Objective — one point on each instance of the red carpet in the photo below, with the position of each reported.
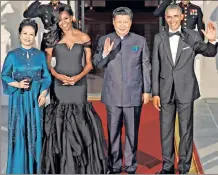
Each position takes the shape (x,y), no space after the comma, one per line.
(149,146)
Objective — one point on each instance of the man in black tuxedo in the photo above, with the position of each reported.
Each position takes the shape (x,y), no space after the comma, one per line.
(174,84)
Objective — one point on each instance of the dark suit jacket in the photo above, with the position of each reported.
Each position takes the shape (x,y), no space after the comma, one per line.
(160,10)
(165,73)
(43,11)
(127,72)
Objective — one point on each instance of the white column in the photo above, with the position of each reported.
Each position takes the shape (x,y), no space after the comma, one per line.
(73,5)
(199,58)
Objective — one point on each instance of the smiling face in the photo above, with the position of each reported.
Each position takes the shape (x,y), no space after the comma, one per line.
(173,18)
(122,24)
(65,22)
(27,36)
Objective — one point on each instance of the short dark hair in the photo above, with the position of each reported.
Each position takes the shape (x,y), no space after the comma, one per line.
(28,22)
(173,6)
(123,11)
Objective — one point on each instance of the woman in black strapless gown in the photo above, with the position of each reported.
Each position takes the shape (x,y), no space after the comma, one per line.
(73,140)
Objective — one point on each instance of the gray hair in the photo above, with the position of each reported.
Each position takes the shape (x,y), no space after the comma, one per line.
(123,11)
(173,6)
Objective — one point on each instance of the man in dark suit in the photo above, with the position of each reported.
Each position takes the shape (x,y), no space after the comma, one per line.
(127,85)
(174,84)
(192,14)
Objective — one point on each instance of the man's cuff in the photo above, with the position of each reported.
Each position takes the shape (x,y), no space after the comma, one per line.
(147,91)
(214,42)
(155,94)
(104,55)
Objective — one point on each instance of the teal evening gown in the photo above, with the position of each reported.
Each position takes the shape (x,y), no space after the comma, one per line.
(25,115)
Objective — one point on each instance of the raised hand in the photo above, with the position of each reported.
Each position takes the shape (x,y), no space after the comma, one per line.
(210,32)
(108,46)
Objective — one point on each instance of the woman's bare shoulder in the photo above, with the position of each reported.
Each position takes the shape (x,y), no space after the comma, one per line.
(83,36)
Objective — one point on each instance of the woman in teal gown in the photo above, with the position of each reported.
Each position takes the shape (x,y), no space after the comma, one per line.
(25,78)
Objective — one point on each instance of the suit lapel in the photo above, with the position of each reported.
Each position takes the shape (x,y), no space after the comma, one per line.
(166,44)
(116,39)
(179,50)
(182,41)
(116,47)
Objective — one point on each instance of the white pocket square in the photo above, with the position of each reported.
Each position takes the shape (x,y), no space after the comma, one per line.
(185,48)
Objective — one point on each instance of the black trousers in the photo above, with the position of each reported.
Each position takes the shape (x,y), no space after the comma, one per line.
(116,116)
(167,126)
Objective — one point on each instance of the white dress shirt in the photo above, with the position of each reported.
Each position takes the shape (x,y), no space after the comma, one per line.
(174,42)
